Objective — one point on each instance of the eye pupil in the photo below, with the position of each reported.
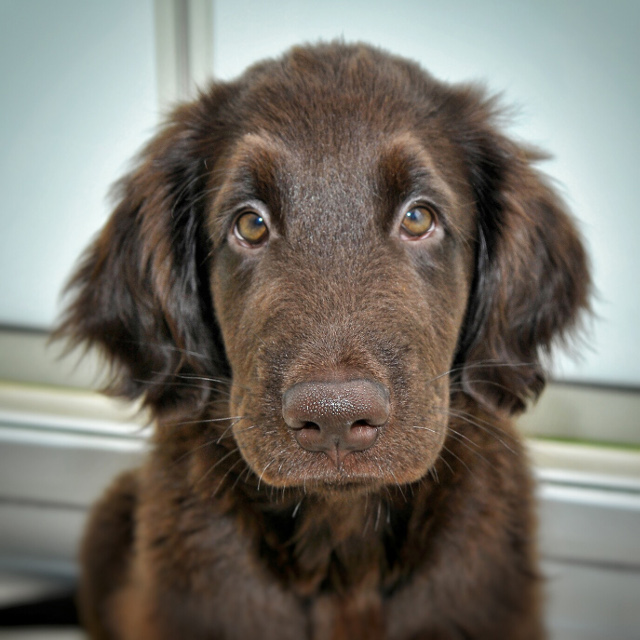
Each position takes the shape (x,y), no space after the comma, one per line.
(251,228)
(418,221)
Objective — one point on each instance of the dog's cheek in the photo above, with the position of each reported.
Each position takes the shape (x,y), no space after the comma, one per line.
(254,434)
(434,310)
(231,282)
(415,436)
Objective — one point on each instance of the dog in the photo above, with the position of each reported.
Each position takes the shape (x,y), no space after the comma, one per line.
(333,282)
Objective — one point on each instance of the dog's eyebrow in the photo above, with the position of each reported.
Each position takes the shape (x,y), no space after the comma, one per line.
(253,171)
(407,170)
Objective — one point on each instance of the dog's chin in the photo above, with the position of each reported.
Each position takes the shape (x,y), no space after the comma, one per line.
(357,473)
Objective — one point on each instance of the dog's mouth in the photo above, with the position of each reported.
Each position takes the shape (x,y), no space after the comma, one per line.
(324,471)
(284,458)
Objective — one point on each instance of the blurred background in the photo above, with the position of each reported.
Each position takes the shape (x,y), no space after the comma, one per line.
(85,84)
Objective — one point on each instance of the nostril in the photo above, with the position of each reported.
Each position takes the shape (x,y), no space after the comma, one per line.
(360,437)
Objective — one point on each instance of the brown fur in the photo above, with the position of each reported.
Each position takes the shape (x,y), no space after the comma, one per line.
(233,528)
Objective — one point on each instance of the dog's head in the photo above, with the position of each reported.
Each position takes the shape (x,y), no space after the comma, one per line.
(350,242)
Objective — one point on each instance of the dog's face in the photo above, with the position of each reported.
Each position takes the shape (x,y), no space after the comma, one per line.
(342,255)
(349,240)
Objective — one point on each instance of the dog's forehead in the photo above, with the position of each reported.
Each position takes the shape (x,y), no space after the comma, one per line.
(334,114)
(339,139)
(349,82)
(342,178)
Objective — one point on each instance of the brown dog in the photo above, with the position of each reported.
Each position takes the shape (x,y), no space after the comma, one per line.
(331,281)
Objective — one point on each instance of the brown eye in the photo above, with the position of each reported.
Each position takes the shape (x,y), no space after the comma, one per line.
(418,222)
(251,228)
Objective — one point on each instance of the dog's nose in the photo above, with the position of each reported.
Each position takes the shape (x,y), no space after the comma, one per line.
(336,417)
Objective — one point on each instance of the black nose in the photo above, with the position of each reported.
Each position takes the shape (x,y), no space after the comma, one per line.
(336,417)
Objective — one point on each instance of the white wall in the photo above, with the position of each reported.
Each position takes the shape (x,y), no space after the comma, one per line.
(78,98)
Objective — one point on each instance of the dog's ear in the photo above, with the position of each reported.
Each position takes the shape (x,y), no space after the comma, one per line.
(141,291)
(532,276)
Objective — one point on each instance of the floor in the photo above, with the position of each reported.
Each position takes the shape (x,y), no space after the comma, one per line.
(19,588)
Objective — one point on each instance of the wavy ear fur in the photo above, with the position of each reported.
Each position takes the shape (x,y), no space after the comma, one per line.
(532,277)
(141,290)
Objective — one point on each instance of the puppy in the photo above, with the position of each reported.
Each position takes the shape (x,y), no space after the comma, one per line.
(332,282)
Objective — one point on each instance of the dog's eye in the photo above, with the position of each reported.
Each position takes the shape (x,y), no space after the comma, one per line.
(418,222)
(251,228)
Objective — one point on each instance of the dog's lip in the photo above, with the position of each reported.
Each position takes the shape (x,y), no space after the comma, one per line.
(352,467)
(336,481)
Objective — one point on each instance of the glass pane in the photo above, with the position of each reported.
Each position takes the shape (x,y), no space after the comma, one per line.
(78,99)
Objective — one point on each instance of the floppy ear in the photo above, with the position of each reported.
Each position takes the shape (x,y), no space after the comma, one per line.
(532,278)
(141,290)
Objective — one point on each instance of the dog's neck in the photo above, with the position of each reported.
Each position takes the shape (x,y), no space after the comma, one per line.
(341,545)
(339,542)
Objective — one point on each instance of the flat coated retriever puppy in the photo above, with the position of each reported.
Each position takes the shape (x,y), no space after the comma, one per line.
(332,281)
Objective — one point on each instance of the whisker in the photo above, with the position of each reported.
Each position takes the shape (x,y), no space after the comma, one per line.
(247,471)
(263,471)
(205,421)
(458,458)
(483,364)
(166,347)
(184,385)
(483,425)
(191,451)
(446,463)
(189,376)
(468,444)
(419,426)
(224,477)
(226,433)
(218,462)
(488,383)
(224,381)
(398,485)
